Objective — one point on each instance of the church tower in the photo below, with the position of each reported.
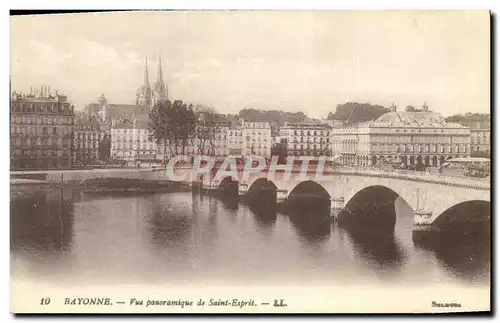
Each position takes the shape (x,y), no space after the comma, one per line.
(144,92)
(103,107)
(160,90)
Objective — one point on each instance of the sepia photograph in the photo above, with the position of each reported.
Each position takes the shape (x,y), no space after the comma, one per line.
(250,162)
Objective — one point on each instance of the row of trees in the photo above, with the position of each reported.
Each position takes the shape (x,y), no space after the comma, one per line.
(352,112)
(277,116)
(469,118)
(175,125)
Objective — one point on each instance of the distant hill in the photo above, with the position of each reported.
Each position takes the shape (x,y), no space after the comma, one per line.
(276,116)
(352,112)
(468,118)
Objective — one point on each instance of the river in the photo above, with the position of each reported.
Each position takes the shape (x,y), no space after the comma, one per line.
(183,237)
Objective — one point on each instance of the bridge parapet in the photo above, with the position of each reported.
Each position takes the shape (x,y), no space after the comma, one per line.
(483,184)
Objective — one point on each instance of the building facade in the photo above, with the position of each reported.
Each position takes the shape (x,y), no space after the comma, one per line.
(42,130)
(480,139)
(307,139)
(235,142)
(218,144)
(130,142)
(86,142)
(211,134)
(409,138)
(257,138)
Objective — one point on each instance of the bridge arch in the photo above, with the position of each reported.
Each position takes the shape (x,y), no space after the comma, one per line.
(308,199)
(309,188)
(227,179)
(372,206)
(262,194)
(468,213)
(368,190)
(261,183)
(228,185)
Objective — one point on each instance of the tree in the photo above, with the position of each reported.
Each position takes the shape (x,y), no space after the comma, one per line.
(352,112)
(469,118)
(104,148)
(209,125)
(171,125)
(159,117)
(273,116)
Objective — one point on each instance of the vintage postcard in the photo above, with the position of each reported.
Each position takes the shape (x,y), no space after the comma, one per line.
(250,162)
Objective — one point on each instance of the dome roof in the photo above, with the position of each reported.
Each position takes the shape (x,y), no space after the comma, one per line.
(414,118)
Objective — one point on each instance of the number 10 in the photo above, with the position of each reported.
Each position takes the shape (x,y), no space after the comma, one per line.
(45,301)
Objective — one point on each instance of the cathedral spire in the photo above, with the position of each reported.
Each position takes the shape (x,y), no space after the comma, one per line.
(146,76)
(159,75)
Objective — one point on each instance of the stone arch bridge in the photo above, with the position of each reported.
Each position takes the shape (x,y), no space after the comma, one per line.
(428,195)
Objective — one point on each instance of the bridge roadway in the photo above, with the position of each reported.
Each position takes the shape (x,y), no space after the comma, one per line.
(429,195)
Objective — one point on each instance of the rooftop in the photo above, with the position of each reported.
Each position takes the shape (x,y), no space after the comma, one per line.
(414,118)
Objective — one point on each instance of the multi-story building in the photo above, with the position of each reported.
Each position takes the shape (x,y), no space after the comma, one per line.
(249,138)
(211,134)
(307,138)
(87,139)
(407,137)
(42,130)
(257,138)
(235,142)
(217,145)
(480,139)
(130,142)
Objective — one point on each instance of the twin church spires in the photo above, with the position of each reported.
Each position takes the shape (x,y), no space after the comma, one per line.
(147,96)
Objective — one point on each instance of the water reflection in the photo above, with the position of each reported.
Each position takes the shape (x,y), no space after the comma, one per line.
(265,214)
(376,245)
(464,253)
(148,235)
(312,224)
(229,203)
(168,225)
(42,222)
(380,249)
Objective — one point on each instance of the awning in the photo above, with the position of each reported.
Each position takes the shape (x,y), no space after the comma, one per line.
(469,160)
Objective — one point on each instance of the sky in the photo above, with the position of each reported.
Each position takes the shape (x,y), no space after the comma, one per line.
(308,61)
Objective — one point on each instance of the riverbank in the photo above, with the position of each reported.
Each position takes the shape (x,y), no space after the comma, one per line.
(134,185)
